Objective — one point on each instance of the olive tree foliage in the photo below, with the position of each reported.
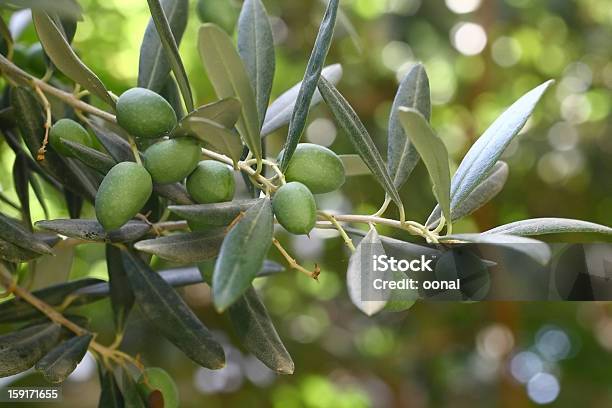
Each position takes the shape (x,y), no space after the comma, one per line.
(165,220)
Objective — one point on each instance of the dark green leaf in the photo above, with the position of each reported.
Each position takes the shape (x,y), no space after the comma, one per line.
(488,148)
(218,214)
(131,394)
(542,226)
(12,253)
(110,139)
(175,192)
(256,48)
(17,309)
(65,8)
(21,182)
(171,50)
(187,247)
(20,350)
(74,204)
(110,395)
(65,59)
(413,92)
(172,94)
(14,232)
(169,313)
(279,112)
(230,79)
(348,120)
(242,254)
(154,67)
(92,230)
(433,152)
(122,297)
(60,362)
(93,158)
(310,81)
(257,333)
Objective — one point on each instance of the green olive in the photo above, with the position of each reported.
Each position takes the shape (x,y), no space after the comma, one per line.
(36,58)
(143,113)
(155,378)
(68,129)
(172,160)
(211,182)
(123,192)
(317,167)
(295,208)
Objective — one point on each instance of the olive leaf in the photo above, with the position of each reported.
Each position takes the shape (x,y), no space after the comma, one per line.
(170,47)
(483,155)
(110,395)
(242,254)
(433,152)
(131,394)
(39,193)
(169,313)
(92,230)
(14,232)
(482,194)
(535,249)
(354,165)
(12,253)
(122,297)
(20,350)
(279,112)
(64,8)
(61,361)
(92,158)
(17,309)
(350,123)
(118,148)
(172,94)
(542,226)
(369,246)
(256,48)
(213,124)
(413,92)
(175,192)
(65,59)
(184,248)
(217,214)
(310,81)
(256,331)
(153,66)
(230,79)
(21,183)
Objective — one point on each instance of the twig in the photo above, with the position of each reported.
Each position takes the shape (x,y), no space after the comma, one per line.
(347,240)
(293,264)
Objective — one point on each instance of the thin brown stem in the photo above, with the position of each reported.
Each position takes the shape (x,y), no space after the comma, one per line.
(293,264)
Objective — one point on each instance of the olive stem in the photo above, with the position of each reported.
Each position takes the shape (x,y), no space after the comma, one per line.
(8,282)
(242,165)
(347,240)
(47,107)
(383,208)
(134,148)
(293,264)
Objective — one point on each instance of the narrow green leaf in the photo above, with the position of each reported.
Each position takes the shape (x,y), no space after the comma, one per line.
(14,232)
(279,112)
(542,226)
(171,49)
(256,48)
(230,79)
(535,249)
(118,148)
(256,331)
(488,148)
(213,124)
(154,67)
(110,395)
(60,362)
(413,92)
(131,394)
(369,246)
(92,158)
(38,192)
(92,230)
(482,194)
(310,81)
(242,254)
(65,59)
(354,165)
(64,8)
(12,253)
(175,192)
(172,94)
(350,123)
(17,309)
(185,247)
(169,313)
(433,152)
(217,214)
(20,350)
(21,183)
(122,297)
(74,204)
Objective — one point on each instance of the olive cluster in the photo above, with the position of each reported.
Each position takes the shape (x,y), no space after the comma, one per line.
(128,185)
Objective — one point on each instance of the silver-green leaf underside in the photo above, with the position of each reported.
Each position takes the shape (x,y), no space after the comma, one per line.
(60,362)
(64,8)
(542,226)
(230,79)
(186,247)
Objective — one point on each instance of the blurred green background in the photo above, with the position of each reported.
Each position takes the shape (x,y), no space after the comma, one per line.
(480,57)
